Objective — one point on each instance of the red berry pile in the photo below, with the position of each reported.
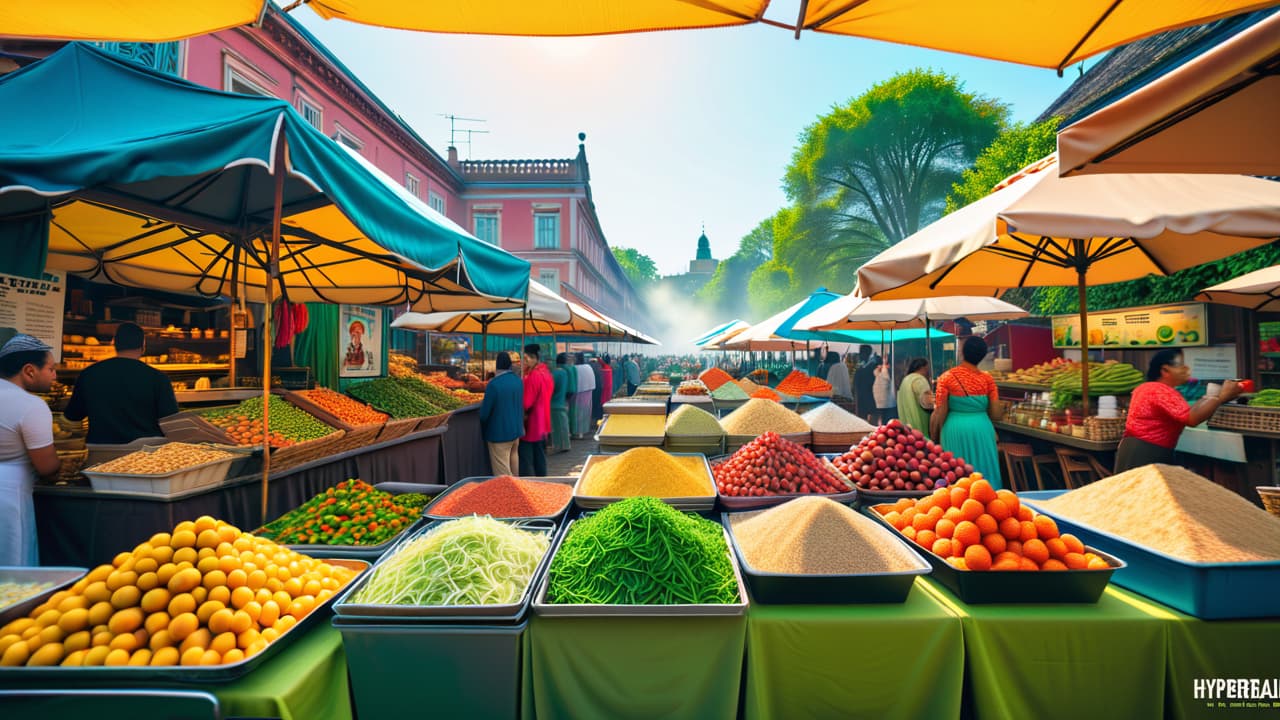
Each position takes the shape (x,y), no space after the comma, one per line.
(897,457)
(772,465)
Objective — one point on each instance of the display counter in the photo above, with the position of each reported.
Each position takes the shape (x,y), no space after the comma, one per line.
(81,527)
(463,452)
(1095,446)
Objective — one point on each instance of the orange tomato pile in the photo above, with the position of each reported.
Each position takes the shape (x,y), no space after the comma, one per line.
(346,409)
(973,526)
(244,430)
(207,594)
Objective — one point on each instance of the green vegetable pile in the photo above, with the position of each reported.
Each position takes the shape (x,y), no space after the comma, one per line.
(433,394)
(1104,379)
(390,397)
(470,561)
(286,420)
(642,551)
(415,501)
(352,513)
(729,391)
(1266,398)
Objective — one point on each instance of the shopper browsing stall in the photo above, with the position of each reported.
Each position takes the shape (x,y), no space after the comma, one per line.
(538,387)
(967,403)
(26,444)
(837,374)
(559,438)
(915,396)
(123,397)
(1158,412)
(586,387)
(502,417)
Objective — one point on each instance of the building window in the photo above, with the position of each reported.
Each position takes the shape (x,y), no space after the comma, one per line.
(411,184)
(165,56)
(311,113)
(436,201)
(341,135)
(237,83)
(486,224)
(546,230)
(551,278)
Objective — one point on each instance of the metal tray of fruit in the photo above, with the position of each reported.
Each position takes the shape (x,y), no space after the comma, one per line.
(542,607)
(372,552)
(1210,591)
(46,580)
(125,675)
(732,502)
(827,589)
(554,517)
(696,502)
(867,497)
(1003,587)
(348,609)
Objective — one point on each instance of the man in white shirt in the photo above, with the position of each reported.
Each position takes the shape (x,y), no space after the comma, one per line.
(586,384)
(26,443)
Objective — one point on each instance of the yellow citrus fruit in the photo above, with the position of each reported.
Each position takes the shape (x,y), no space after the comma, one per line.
(117,657)
(165,656)
(74,620)
(48,654)
(247,638)
(220,621)
(211,657)
(77,641)
(96,655)
(74,658)
(140,657)
(241,596)
(160,539)
(126,621)
(223,642)
(147,581)
(214,578)
(183,539)
(233,655)
(200,638)
(270,613)
(121,578)
(166,573)
(222,594)
(16,654)
(184,581)
(160,639)
(126,597)
(126,641)
(182,626)
(155,600)
(186,555)
(207,565)
(97,592)
(191,656)
(73,602)
(119,559)
(205,522)
(241,621)
(162,554)
(200,594)
(156,622)
(207,610)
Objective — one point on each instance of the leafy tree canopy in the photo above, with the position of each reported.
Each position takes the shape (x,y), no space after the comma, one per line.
(638,267)
(1015,148)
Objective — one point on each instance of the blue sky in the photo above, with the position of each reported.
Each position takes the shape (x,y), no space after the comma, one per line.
(682,127)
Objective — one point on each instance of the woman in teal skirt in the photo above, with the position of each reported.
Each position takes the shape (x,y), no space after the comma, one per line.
(966,404)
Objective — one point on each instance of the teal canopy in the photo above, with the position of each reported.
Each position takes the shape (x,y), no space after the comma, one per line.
(787,329)
(144,179)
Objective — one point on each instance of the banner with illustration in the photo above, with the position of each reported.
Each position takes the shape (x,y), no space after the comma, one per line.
(1180,325)
(360,341)
(33,306)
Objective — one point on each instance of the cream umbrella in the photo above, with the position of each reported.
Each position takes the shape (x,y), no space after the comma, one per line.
(1214,114)
(1258,291)
(1045,230)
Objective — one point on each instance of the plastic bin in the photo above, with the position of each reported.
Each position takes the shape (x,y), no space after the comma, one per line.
(567,480)
(695,503)
(475,669)
(167,485)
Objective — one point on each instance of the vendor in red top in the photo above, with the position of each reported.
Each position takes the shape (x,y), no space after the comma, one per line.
(538,387)
(1158,412)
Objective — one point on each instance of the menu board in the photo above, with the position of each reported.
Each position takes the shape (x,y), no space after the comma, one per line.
(33,306)
(360,341)
(1180,325)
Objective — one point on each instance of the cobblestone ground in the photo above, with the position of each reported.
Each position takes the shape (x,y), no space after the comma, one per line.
(570,462)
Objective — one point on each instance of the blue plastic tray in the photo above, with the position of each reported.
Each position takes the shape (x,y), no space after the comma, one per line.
(1210,591)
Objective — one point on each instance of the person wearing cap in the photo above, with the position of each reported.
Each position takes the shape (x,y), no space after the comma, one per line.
(26,444)
(123,397)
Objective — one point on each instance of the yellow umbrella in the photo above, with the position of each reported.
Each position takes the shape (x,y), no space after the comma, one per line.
(1044,34)
(1215,114)
(1045,230)
(136,20)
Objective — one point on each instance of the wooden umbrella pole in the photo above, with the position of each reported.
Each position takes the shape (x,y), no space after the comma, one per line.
(273,273)
(1084,342)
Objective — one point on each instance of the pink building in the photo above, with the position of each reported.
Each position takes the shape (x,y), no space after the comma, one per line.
(540,210)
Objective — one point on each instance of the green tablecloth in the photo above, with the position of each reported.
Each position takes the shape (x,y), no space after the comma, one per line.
(646,667)
(1208,650)
(1062,661)
(881,661)
(307,680)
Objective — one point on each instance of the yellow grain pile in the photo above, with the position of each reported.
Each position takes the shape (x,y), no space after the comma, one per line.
(747,386)
(818,536)
(648,471)
(1174,511)
(628,425)
(759,416)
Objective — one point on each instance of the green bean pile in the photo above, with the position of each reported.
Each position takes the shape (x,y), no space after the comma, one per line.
(390,397)
(642,551)
(433,394)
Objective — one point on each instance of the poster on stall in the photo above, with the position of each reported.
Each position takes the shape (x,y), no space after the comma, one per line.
(360,341)
(33,306)
(1180,325)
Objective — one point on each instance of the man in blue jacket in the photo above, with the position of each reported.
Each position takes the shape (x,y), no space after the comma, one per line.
(502,417)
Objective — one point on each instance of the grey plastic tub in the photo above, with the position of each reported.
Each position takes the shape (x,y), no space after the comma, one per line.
(58,578)
(555,517)
(372,552)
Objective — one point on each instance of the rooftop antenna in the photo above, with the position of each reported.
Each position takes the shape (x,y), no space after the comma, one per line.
(454,130)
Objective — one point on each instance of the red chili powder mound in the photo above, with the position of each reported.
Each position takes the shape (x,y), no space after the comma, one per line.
(505,496)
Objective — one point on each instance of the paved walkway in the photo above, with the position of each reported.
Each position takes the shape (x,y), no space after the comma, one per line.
(570,463)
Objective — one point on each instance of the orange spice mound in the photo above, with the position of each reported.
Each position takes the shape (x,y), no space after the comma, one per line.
(798,383)
(765,393)
(714,378)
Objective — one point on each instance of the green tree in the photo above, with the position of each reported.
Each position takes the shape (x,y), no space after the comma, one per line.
(1015,148)
(726,288)
(876,169)
(638,267)
(771,288)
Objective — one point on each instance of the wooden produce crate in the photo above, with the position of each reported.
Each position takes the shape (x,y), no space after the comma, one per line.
(286,458)
(395,429)
(190,427)
(435,421)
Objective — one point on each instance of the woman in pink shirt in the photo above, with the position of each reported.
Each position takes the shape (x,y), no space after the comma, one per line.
(538,386)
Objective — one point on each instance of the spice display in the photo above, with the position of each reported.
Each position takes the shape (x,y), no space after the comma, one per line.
(12,592)
(648,471)
(628,425)
(765,393)
(897,457)
(641,551)
(389,396)
(205,594)
(831,418)
(691,387)
(760,416)
(773,465)
(798,383)
(469,561)
(163,460)
(1174,511)
(344,408)
(505,497)
(748,386)
(288,424)
(430,392)
(690,420)
(973,526)
(729,391)
(817,536)
(714,377)
(351,513)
